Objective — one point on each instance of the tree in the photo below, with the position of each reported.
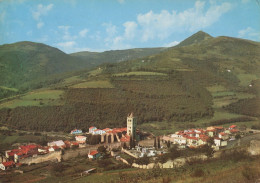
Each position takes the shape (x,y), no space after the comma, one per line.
(102,149)
(159,144)
(168,144)
(155,146)
(238,136)
(131,142)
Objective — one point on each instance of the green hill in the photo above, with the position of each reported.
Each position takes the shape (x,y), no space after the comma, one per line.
(27,65)
(202,83)
(114,56)
(195,38)
(24,65)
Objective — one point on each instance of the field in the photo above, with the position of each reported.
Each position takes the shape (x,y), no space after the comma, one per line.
(94,84)
(36,98)
(246,79)
(140,74)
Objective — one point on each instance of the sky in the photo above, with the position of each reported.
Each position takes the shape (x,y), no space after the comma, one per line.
(100,25)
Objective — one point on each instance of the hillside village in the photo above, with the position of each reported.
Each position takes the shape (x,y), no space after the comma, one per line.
(129,139)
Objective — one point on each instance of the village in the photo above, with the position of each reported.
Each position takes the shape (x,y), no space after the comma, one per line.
(128,140)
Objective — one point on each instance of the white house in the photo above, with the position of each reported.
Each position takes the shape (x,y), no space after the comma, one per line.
(58,143)
(98,132)
(219,142)
(91,129)
(180,140)
(223,135)
(81,139)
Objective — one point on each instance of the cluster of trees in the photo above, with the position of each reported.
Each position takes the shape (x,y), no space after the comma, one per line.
(149,100)
(248,107)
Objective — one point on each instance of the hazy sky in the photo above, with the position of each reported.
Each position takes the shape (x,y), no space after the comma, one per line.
(98,25)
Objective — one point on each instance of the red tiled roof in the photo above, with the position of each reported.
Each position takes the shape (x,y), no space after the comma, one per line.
(217,138)
(233,126)
(31,146)
(222,133)
(93,152)
(126,138)
(193,138)
(92,127)
(8,163)
(107,129)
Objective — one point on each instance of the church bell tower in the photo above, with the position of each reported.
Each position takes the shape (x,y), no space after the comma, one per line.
(131,125)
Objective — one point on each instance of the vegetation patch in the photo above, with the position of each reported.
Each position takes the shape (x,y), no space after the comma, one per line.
(94,84)
(246,79)
(140,73)
(36,98)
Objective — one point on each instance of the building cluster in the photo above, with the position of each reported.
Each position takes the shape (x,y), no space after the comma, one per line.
(111,135)
(15,156)
(194,138)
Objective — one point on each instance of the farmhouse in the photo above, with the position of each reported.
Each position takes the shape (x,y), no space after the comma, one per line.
(76,131)
(7,165)
(94,155)
(92,129)
(58,143)
(81,139)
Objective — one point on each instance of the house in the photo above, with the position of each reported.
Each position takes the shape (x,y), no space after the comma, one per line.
(92,129)
(219,142)
(107,130)
(98,132)
(6,165)
(81,139)
(192,141)
(180,140)
(233,127)
(76,131)
(53,148)
(211,132)
(223,135)
(94,155)
(58,143)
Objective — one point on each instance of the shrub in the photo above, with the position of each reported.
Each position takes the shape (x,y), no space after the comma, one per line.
(250,173)
(198,173)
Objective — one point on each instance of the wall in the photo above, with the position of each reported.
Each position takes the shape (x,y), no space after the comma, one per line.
(53,156)
(72,153)
(178,162)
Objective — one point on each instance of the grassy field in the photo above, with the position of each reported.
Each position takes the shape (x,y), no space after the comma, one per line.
(72,79)
(140,73)
(246,79)
(226,171)
(11,89)
(95,72)
(36,98)
(94,84)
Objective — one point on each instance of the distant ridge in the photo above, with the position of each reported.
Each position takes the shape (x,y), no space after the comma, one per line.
(195,38)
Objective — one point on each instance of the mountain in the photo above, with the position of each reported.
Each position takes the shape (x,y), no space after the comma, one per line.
(28,65)
(97,58)
(205,82)
(195,38)
(24,64)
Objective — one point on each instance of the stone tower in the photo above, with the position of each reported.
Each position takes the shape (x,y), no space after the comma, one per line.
(131,125)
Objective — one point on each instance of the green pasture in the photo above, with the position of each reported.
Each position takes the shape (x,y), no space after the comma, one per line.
(35,98)
(95,72)
(140,73)
(94,84)
(10,89)
(246,79)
